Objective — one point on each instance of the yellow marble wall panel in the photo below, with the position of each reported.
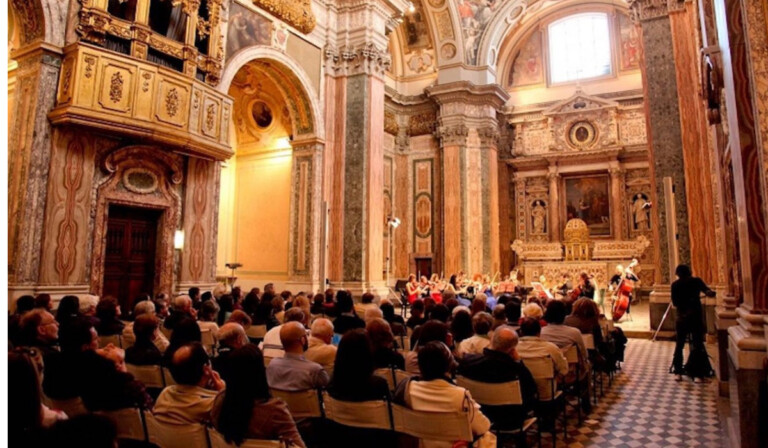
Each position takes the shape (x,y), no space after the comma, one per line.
(144,94)
(116,86)
(86,78)
(171,103)
(263,212)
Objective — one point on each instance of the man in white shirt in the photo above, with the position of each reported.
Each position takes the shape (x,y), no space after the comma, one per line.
(293,372)
(481,325)
(320,348)
(532,346)
(271,345)
(561,335)
(143,307)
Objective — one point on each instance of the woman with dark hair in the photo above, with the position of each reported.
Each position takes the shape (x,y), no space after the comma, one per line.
(417,315)
(461,325)
(108,312)
(28,414)
(353,380)
(245,409)
(383,345)
(397,323)
(251,303)
(69,309)
(317,308)
(686,293)
(185,332)
(513,309)
(263,314)
(226,307)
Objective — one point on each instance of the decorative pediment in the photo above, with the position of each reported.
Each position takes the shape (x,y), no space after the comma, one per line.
(580,102)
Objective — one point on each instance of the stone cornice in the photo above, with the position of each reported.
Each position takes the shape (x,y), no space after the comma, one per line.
(452,134)
(355,60)
(644,10)
(467,92)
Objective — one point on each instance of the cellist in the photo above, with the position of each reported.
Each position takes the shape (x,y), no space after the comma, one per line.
(623,273)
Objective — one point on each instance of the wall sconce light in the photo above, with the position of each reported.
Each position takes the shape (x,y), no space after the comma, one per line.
(394,222)
(178,240)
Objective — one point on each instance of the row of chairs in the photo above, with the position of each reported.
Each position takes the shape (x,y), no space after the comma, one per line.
(207,338)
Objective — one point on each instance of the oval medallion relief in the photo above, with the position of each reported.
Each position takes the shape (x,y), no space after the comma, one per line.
(139,180)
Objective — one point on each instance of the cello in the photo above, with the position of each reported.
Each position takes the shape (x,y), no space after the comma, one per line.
(623,291)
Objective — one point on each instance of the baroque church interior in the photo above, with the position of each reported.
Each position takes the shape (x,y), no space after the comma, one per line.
(162,146)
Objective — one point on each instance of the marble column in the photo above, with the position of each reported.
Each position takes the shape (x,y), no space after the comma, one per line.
(554,204)
(468,133)
(617,197)
(356,63)
(29,157)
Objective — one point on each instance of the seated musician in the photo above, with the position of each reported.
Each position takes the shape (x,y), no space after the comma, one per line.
(586,286)
(424,285)
(413,289)
(566,284)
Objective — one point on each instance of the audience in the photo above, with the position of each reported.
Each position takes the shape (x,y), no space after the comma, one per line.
(366,302)
(186,332)
(246,410)
(383,345)
(417,315)
(88,304)
(317,308)
(561,335)
(532,346)
(347,319)
(293,372)
(226,307)
(461,324)
(108,313)
(499,316)
(106,385)
(144,351)
(182,309)
(231,337)
(433,330)
(500,363)
(271,345)
(83,431)
(278,307)
(24,304)
(320,348)
(209,311)
(434,391)
(396,322)
(141,309)
(191,399)
(372,313)
(240,317)
(329,304)
(481,324)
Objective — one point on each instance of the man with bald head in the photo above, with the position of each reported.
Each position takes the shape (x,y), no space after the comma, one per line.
(182,307)
(293,372)
(500,363)
(190,400)
(231,337)
(271,345)
(320,348)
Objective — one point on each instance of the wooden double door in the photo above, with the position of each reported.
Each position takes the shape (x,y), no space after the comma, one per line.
(129,265)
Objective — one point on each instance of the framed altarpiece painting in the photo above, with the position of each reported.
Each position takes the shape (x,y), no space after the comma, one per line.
(588,197)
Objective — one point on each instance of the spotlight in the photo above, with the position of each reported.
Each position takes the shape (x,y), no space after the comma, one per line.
(411,8)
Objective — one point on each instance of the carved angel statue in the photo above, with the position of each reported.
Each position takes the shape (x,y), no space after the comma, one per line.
(539,215)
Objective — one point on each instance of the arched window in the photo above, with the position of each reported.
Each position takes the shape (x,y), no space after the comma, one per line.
(579,47)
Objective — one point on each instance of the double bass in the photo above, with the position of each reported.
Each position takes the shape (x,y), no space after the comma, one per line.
(623,291)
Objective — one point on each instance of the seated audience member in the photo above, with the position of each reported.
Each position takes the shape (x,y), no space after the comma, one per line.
(439,312)
(372,313)
(144,351)
(263,314)
(272,346)
(330,304)
(43,301)
(143,308)
(479,304)
(452,304)
(186,332)
(417,314)
(251,301)
(28,416)
(320,348)
(461,324)
(347,319)
(500,363)
(481,324)
(82,431)
(194,295)
(366,302)
(182,308)
(396,323)
(226,307)
(293,372)
(532,346)
(161,308)
(39,330)
(513,310)
(108,313)
(433,330)
(534,310)
(435,392)
(231,337)
(278,308)
(88,304)
(209,311)
(585,318)
(301,302)
(499,317)
(353,380)
(383,345)
(246,410)
(190,400)
(24,304)
(561,335)
(288,298)
(242,318)
(317,308)
(62,369)
(106,385)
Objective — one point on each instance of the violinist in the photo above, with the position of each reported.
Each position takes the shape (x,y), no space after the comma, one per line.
(566,284)
(413,289)
(586,287)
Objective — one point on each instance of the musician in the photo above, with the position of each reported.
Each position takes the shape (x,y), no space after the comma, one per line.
(567,284)
(413,289)
(622,272)
(586,287)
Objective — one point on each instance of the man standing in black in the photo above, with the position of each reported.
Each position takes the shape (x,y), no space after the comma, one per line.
(686,291)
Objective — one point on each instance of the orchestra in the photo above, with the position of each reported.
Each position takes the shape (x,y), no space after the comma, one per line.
(465,287)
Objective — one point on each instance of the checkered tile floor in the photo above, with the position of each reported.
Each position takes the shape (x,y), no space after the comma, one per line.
(646,408)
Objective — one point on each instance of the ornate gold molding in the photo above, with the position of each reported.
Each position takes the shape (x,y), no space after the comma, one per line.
(642,10)
(297,13)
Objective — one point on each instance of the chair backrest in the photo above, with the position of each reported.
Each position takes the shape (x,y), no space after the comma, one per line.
(175,436)
(543,371)
(114,339)
(572,354)
(218,441)
(129,423)
(492,394)
(207,337)
(166,332)
(301,404)
(372,414)
(168,378)
(72,406)
(405,343)
(150,376)
(445,426)
(256,331)
(388,374)
(589,341)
